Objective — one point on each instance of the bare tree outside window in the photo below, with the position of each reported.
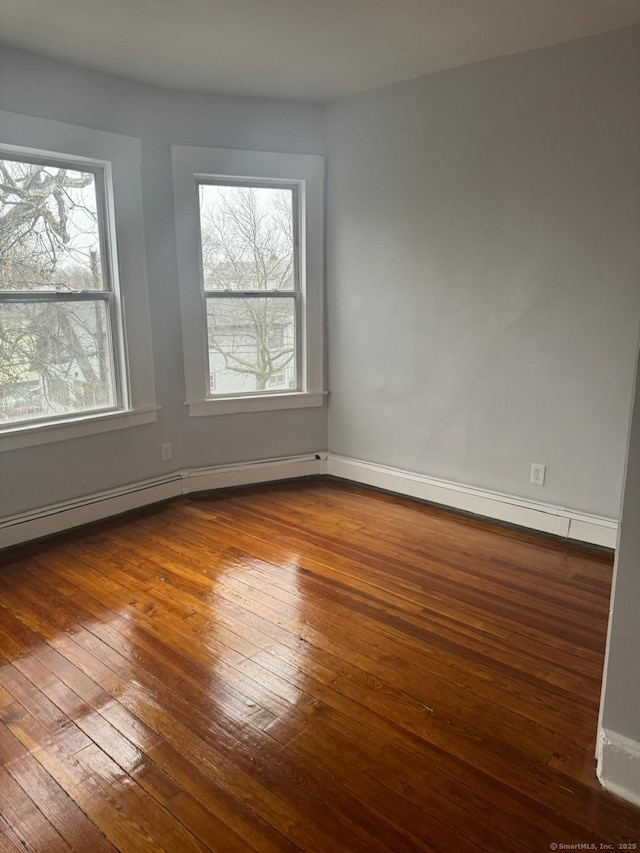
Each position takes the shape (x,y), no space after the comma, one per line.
(55,299)
(251,286)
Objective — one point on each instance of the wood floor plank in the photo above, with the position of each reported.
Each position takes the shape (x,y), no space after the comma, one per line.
(56,805)
(302,666)
(25,818)
(9,840)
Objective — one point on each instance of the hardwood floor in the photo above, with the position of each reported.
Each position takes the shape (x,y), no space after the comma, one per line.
(304,666)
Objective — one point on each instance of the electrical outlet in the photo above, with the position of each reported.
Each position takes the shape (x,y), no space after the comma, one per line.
(165,451)
(537,473)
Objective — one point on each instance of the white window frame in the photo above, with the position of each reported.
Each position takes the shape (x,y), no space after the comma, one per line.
(119,157)
(191,165)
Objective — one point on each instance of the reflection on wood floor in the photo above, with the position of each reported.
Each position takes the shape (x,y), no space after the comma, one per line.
(302,666)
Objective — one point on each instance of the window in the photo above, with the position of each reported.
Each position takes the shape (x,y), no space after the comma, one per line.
(59,337)
(276,336)
(251,283)
(249,229)
(72,267)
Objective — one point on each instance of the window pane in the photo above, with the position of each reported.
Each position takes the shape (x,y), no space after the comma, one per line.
(252,344)
(54,359)
(247,238)
(49,236)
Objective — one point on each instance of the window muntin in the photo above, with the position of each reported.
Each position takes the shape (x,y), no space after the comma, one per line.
(249,247)
(58,323)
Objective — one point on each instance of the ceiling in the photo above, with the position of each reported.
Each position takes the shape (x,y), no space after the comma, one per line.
(315,49)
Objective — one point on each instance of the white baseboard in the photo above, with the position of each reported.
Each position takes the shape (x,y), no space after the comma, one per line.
(61,516)
(263,471)
(619,765)
(547,518)
(27,526)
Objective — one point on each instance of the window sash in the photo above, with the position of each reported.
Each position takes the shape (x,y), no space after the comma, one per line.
(294,186)
(296,295)
(106,354)
(101,205)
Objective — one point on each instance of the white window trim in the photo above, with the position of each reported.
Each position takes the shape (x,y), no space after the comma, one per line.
(190,164)
(122,156)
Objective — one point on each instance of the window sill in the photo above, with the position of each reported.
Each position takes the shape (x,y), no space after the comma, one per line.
(29,435)
(238,405)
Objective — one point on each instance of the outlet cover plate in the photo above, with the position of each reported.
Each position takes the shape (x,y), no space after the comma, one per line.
(538,473)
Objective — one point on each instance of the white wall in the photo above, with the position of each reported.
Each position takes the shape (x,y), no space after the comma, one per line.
(483,264)
(54,472)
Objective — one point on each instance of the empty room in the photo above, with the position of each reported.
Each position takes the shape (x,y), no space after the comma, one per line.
(319,426)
